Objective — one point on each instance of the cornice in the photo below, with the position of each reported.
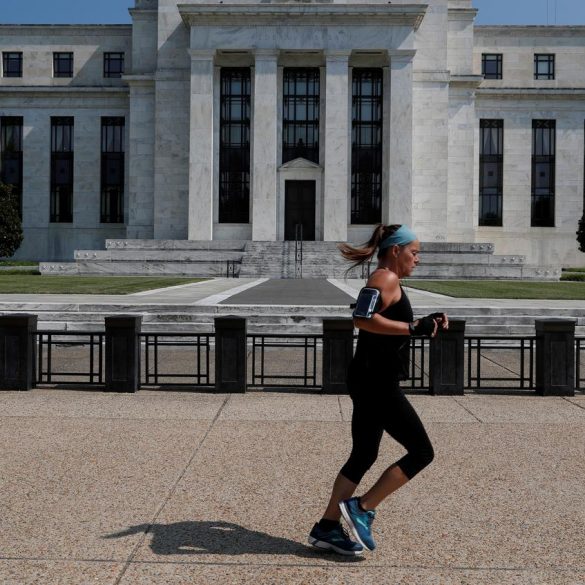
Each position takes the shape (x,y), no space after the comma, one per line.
(63,91)
(462,13)
(577,93)
(139,80)
(465,81)
(302,14)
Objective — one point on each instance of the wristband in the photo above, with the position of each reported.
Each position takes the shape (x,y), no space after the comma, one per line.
(425,327)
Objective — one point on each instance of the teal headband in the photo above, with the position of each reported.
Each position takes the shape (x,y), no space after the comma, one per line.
(402,236)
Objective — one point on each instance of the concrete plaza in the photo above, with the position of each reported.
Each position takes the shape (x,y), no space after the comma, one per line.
(180,488)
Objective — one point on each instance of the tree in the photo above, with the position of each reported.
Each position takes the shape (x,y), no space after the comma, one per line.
(11,235)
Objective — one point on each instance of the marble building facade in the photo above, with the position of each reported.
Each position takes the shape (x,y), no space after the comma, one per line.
(432,103)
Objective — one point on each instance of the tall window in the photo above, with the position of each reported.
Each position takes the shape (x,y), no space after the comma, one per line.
(366,146)
(491,175)
(491,65)
(234,146)
(61,170)
(12,64)
(300,117)
(113,64)
(11,155)
(112,180)
(544,66)
(62,64)
(543,173)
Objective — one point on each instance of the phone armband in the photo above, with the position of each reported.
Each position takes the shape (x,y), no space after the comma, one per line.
(367,303)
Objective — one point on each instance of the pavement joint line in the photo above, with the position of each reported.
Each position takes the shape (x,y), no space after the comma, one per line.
(220,297)
(469,411)
(170,493)
(344,287)
(340,408)
(566,399)
(426,293)
(153,291)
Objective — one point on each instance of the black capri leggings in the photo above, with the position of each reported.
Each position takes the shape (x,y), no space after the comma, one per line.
(385,408)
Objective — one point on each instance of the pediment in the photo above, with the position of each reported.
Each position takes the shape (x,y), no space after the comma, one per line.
(299,163)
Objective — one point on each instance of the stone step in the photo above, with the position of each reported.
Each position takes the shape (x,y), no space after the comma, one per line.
(159,255)
(176,244)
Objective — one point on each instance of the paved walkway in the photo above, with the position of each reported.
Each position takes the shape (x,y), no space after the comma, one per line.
(273,292)
(171,488)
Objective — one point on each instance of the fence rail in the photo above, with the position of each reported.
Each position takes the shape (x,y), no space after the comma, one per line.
(452,363)
(76,348)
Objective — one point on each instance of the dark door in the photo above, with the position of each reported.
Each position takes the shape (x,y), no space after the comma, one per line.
(299,209)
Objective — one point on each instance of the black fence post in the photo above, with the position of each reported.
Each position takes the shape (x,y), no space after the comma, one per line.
(337,354)
(555,357)
(447,360)
(18,352)
(231,360)
(123,353)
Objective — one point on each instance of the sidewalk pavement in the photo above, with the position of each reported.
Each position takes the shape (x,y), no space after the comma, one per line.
(177,488)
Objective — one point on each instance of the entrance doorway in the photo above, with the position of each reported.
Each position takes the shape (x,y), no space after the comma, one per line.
(299,209)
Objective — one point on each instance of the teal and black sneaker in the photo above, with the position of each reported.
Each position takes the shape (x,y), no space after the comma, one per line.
(359,521)
(336,540)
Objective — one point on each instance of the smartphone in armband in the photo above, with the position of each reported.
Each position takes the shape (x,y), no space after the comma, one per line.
(366,303)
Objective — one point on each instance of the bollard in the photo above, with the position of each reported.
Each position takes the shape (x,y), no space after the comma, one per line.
(17,352)
(555,357)
(231,358)
(447,360)
(123,353)
(337,354)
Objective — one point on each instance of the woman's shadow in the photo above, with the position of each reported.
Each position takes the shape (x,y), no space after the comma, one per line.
(222,538)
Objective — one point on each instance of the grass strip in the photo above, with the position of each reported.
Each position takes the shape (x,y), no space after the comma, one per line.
(19,283)
(502,289)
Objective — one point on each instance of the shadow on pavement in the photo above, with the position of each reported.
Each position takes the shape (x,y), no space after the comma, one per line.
(223,538)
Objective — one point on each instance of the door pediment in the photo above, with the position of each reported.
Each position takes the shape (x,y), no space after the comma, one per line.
(300,163)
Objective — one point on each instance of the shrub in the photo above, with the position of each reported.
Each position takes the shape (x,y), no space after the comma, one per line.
(581,234)
(10,223)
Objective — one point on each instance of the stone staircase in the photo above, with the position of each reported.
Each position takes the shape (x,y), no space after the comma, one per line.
(277,260)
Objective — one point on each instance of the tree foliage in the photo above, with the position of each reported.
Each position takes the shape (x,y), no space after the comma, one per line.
(581,234)
(11,235)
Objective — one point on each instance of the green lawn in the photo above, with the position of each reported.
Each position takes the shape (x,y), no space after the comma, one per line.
(502,289)
(96,285)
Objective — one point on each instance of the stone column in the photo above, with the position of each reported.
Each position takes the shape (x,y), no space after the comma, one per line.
(399,154)
(201,146)
(140,204)
(337,153)
(264,154)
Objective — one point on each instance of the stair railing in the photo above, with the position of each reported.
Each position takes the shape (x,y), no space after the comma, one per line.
(299,250)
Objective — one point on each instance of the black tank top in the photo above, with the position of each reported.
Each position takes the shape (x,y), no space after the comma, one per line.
(388,355)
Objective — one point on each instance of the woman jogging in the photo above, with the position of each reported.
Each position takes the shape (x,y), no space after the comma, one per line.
(381,360)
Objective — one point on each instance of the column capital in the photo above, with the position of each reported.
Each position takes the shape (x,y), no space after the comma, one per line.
(266,54)
(337,54)
(202,54)
(400,57)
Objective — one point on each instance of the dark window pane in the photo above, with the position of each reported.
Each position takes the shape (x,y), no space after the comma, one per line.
(300,117)
(543,173)
(234,151)
(113,64)
(112,175)
(12,64)
(61,205)
(491,160)
(491,66)
(11,166)
(62,64)
(366,151)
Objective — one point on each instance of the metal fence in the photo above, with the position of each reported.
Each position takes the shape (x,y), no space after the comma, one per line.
(70,358)
(278,361)
(175,359)
(272,356)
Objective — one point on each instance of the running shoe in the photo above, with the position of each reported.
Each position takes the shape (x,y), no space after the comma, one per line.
(359,521)
(336,540)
